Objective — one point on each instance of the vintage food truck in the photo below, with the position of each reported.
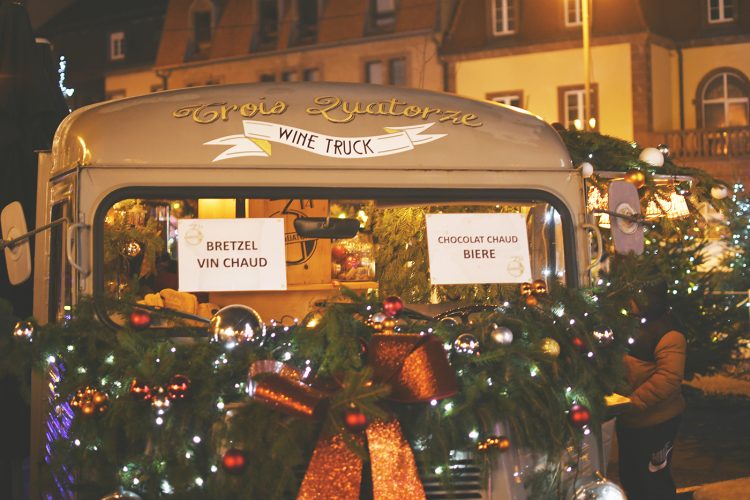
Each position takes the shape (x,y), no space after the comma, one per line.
(230,174)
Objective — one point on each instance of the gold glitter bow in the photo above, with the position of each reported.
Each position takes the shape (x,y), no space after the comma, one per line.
(416,368)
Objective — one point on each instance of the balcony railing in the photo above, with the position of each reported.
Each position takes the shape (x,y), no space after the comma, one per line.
(706,143)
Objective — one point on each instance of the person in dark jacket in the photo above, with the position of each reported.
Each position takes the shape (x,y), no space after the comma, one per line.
(655,368)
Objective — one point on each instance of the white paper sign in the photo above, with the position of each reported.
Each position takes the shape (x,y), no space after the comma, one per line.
(222,255)
(477,248)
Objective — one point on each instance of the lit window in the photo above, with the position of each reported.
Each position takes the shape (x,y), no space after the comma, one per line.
(724,101)
(572,106)
(374,72)
(508,98)
(311,75)
(573,13)
(720,11)
(504,17)
(117,45)
(383,13)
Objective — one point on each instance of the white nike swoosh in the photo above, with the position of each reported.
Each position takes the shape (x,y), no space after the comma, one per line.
(657,467)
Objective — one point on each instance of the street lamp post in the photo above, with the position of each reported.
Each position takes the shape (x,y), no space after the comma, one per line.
(586,27)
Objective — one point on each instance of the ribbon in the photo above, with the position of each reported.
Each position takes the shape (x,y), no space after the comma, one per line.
(416,368)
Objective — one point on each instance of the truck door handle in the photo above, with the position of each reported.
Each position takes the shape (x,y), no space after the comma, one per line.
(70,240)
(599,250)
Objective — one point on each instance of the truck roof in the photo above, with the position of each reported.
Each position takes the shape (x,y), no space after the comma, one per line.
(296,125)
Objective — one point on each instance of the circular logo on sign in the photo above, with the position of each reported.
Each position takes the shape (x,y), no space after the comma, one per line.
(298,249)
(194,235)
(626,226)
(515,267)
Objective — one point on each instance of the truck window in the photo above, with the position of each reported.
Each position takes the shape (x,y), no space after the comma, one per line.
(140,250)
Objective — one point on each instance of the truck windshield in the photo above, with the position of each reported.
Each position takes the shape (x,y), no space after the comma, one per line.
(394,249)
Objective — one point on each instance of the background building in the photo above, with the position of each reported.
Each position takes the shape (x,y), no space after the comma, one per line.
(208,42)
(665,71)
(99,39)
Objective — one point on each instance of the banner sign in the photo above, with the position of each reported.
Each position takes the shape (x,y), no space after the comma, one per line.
(477,248)
(223,255)
(258,137)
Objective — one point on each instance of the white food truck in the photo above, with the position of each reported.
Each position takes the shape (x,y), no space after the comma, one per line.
(235,157)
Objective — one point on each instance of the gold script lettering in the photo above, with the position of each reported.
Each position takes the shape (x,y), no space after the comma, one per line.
(209,113)
(337,110)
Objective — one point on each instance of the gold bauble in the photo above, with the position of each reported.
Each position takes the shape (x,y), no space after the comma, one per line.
(526,289)
(531,301)
(550,347)
(636,178)
(540,287)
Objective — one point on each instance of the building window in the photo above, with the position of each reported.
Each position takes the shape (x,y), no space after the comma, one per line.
(267,77)
(504,20)
(513,98)
(374,72)
(720,11)
(571,103)
(397,71)
(113,95)
(268,22)
(202,29)
(307,27)
(311,75)
(289,76)
(383,14)
(117,46)
(392,71)
(573,12)
(723,100)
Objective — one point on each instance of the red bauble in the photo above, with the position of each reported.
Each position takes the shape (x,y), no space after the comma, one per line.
(140,319)
(578,343)
(140,390)
(355,420)
(178,387)
(339,252)
(393,305)
(579,415)
(234,461)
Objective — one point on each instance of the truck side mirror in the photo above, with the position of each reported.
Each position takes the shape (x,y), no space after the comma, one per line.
(17,255)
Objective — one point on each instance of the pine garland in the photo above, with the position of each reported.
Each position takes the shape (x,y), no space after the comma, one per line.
(134,446)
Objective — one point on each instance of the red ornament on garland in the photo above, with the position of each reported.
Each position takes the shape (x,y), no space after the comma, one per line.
(355,420)
(234,461)
(339,252)
(178,387)
(140,390)
(579,415)
(140,319)
(393,305)
(578,343)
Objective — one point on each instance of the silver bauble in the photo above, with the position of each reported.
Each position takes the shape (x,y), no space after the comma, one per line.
(502,334)
(24,330)
(466,343)
(236,323)
(600,489)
